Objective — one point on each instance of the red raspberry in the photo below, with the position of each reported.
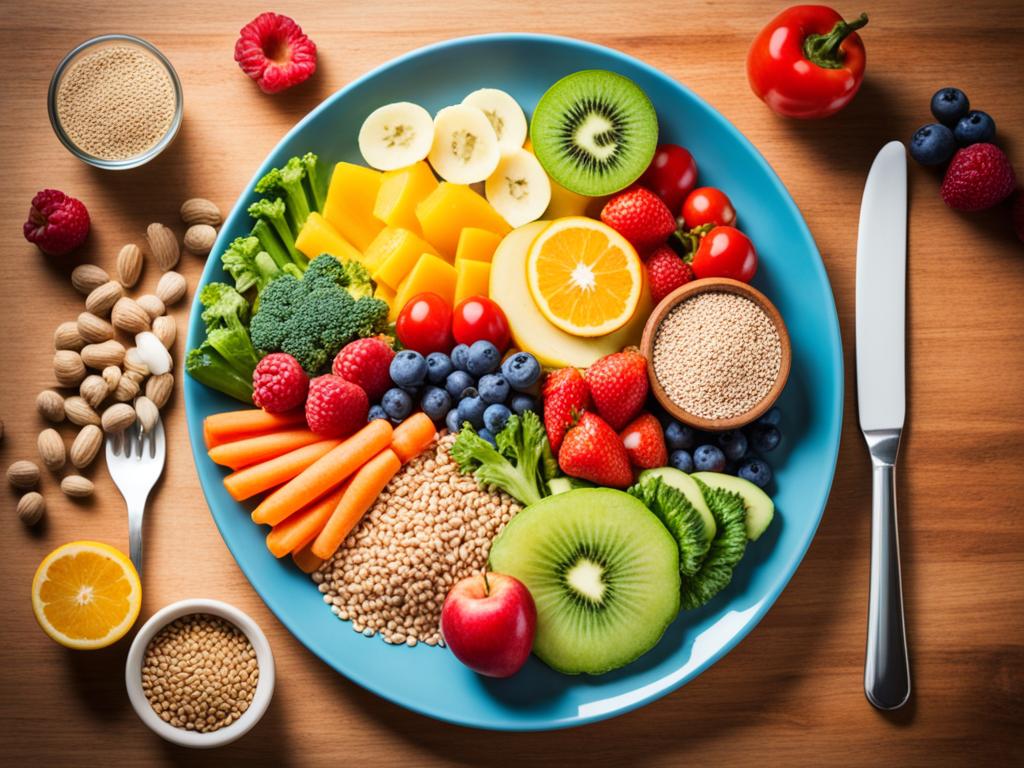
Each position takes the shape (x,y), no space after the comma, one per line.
(666,272)
(366,362)
(279,383)
(1017,214)
(978,177)
(335,407)
(641,217)
(56,223)
(273,51)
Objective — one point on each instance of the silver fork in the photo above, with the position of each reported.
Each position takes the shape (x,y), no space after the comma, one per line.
(135,460)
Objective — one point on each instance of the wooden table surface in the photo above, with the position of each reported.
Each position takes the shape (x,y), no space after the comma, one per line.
(791,692)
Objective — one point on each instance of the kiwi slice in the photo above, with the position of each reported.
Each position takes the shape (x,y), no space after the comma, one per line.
(677,514)
(603,572)
(594,132)
(726,549)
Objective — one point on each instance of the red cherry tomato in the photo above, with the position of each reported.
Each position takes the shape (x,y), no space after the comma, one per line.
(725,252)
(479,318)
(671,175)
(707,205)
(425,324)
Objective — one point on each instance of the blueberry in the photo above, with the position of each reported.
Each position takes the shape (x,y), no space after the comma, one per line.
(520,404)
(678,437)
(764,437)
(733,444)
(681,460)
(932,144)
(772,416)
(975,127)
(949,105)
(756,471)
(487,435)
(439,365)
(408,368)
(496,416)
(471,409)
(457,382)
(709,458)
(460,354)
(376,412)
(522,370)
(493,388)
(435,403)
(452,420)
(483,358)
(397,403)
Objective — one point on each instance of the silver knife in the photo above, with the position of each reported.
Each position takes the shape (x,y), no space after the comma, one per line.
(881,400)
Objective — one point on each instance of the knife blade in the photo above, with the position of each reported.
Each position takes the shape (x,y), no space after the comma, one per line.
(881,404)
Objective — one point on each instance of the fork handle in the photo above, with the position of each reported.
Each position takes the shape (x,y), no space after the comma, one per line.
(135,512)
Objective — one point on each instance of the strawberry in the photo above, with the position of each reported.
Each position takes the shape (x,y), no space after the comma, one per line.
(366,362)
(618,385)
(978,177)
(335,407)
(56,223)
(645,442)
(1017,215)
(592,451)
(273,50)
(565,395)
(641,217)
(666,272)
(279,383)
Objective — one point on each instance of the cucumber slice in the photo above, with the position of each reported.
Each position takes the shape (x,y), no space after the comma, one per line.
(759,505)
(684,483)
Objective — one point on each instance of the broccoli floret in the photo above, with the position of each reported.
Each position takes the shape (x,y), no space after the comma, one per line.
(273,212)
(352,275)
(286,181)
(313,317)
(312,165)
(225,361)
(249,265)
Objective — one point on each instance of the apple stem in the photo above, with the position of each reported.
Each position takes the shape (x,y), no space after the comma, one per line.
(487,585)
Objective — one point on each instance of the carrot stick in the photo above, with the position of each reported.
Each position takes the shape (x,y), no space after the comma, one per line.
(297,530)
(412,436)
(246,483)
(325,473)
(253,450)
(362,491)
(306,560)
(219,428)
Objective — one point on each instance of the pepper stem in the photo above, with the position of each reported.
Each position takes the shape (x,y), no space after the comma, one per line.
(823,50)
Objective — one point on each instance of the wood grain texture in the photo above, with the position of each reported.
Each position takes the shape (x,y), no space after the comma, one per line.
(791,693)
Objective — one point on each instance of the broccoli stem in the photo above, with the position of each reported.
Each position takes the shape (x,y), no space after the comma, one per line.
(316,185)
(207,367)
(270,243)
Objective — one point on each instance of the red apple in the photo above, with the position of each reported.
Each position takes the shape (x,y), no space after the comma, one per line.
(488,621)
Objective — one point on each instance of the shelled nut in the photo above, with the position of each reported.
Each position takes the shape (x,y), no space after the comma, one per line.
(147,412)
(165,329)
(133,362)
(112,375)
(171,288)
(117,418)
(31,507)
(152,304)
(79,412)
(199,239)
(94,390)
(129,264)
(159,388)
(76,486)
(51,449)
(94,329)
(128,316)
(68,367)
(23,475)
(127,388)
(163,245)
(67,336)
(50,405)
(100,356)
(87,277)
(198,210)
(102,299)
(86,445)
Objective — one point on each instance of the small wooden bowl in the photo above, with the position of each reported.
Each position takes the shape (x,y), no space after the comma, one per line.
(688,291)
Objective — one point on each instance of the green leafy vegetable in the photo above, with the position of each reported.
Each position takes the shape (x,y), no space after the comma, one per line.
(726,550)
(288,183)
(225,361)
(678,515)
(252,267)
(274,214)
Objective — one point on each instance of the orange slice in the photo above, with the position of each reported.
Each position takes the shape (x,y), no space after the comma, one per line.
(585,277)
(86,595)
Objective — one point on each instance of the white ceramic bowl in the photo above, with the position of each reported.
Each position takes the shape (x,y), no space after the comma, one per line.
(195,739)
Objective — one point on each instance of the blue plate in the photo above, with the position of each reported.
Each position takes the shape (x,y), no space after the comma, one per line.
(430,680)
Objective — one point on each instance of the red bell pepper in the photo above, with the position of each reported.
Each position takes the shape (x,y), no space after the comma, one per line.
(807,62)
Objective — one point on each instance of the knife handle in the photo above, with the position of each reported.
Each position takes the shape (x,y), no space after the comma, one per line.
(887,665)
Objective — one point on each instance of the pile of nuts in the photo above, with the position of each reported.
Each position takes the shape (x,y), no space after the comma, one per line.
(116,385)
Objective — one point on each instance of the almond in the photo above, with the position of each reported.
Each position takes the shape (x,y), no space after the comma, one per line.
(171,288)
(31,507)
(23,475)
(135,376)
(94,390)
(51,449)
(165,329)
(76,486)
(199,239)
(93,328)
(117,418)
(99,356)
(127,388)
(112,375)
(163,245)
(129,264)
(79,412)
(86,445)
(87,277)
(133,362)
(67,336)
(198,210)
(152,304)
(147,412)
(128,316)
(68,367)
(102,299)
(159,388)
(50,405)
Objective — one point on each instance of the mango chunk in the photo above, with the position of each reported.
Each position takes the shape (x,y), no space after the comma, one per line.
(400,192)
(393,253)
(318,236)
(451,208)
(472,278)
(431,273)
(350,200)
(476,244)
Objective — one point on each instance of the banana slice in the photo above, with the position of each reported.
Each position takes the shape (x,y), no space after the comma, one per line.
(519,189)
(396,135)
(465,146)
(505,114)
